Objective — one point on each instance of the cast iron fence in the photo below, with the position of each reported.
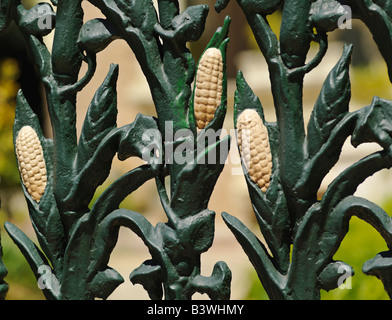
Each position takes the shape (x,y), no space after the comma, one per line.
(283,163)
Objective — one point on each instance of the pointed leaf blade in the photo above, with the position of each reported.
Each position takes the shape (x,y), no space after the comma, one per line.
(331,105)
(101,117)
(272,280)
(36,259)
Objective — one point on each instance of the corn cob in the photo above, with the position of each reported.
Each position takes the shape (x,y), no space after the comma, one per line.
(208,91)
(254,148)
(31,162)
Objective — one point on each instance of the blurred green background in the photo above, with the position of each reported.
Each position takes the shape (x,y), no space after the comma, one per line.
(368,76)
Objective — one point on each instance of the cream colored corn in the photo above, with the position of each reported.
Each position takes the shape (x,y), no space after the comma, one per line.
(31,162)
(254,147)
(208,91)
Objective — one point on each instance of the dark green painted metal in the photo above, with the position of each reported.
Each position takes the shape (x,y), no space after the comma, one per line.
(303,233)
(291,218)
(75,237)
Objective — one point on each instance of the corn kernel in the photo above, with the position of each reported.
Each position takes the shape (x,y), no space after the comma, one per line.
(254,147)
(31,162)
(208,91)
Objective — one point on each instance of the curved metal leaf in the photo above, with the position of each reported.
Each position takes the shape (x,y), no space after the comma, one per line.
(188,25)
(216,286)
(88,252)
(198,178)
(272,280)
(381,267)
(347,182)
(111,198)
(96,35)
(144,140)
(105,282)
(38,21)
(331,105)
(42,57)
(325,230)
(140,138)
(33,255)
(101,117)
(197,231)
(245,99)
(325,14)
(100,140)
(106,233)
(329,277)
(149,275)
(374,124)
(219,39)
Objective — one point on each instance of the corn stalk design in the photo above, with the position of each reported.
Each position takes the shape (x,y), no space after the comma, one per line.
(60,175)
(283,166)
(303,233)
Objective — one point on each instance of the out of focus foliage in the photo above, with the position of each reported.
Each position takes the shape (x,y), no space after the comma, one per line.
(9,73)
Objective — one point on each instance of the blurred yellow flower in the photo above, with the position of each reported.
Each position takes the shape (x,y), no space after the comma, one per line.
(9,86)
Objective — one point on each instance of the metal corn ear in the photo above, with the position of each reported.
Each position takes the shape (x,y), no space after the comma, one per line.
(255,148)
(31,162)
(208,91)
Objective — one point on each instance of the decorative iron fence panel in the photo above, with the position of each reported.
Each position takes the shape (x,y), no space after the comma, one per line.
(284,163)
